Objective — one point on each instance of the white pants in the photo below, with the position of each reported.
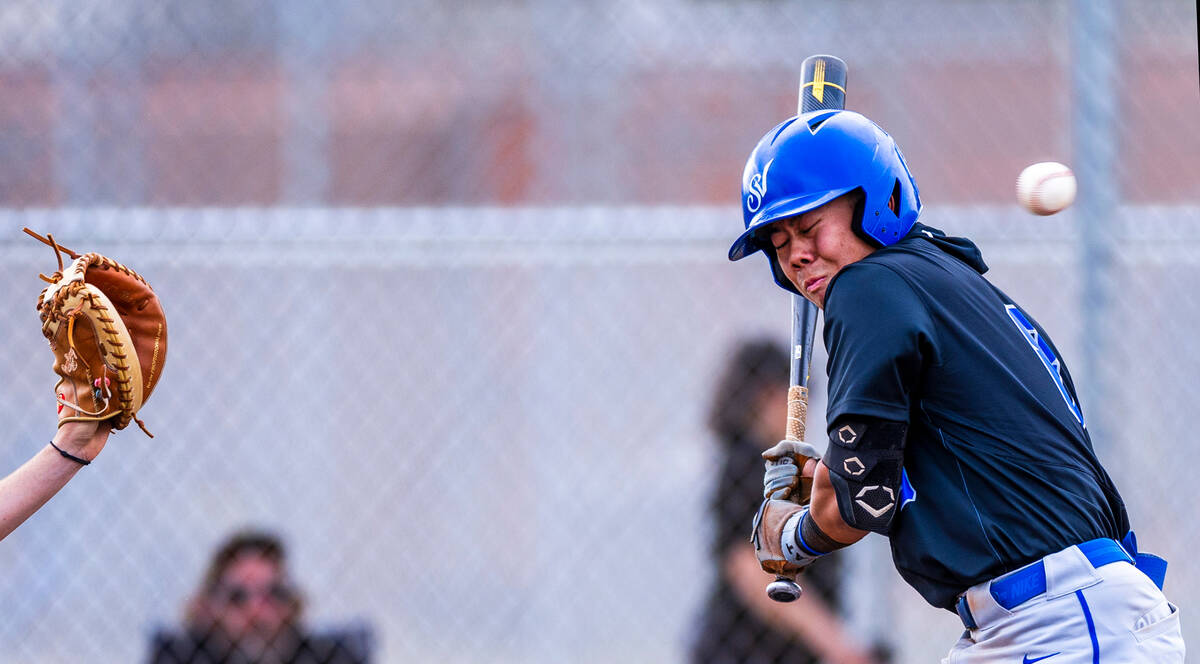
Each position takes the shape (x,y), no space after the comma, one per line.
(1111,615)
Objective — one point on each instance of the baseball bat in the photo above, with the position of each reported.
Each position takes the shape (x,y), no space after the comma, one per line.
(822,87)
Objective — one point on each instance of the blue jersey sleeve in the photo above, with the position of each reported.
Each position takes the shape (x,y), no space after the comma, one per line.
(879,336)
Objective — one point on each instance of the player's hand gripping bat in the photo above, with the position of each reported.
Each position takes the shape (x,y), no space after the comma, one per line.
(822,86)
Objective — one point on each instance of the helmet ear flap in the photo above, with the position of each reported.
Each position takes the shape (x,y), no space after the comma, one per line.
(893,206)
(856,219)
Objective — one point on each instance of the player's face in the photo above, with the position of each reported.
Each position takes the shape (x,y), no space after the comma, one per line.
(813,247)
(253,603)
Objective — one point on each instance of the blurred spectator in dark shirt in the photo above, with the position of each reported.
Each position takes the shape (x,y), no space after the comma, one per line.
(248,611)
(740,624)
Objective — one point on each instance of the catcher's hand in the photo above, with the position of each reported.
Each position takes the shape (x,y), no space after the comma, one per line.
(82,440)
(789,473)
(108,334)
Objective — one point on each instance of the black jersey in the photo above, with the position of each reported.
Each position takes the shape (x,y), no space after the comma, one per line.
(998,464)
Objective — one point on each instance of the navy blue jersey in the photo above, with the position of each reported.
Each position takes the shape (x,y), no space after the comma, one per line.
(998,458)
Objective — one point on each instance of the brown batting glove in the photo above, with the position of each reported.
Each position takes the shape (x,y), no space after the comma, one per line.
(768,534)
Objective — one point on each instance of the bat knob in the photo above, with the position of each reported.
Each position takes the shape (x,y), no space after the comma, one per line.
(783,590)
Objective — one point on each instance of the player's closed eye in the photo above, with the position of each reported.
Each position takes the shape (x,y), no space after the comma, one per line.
(778,239)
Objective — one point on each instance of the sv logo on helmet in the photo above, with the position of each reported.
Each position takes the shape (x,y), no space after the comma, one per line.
(757,188)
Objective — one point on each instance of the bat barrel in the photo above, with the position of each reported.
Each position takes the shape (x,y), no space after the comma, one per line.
(822,83)
(804,329)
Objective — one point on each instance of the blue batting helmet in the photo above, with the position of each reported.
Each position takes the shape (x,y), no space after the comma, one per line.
(814,158)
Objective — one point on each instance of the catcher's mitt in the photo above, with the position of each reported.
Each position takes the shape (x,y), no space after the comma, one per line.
(108,334)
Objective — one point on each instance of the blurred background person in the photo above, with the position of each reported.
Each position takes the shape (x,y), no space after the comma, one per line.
(247,610)
(740,624)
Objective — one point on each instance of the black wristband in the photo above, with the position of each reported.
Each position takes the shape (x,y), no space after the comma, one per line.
(814,539)
(68,455)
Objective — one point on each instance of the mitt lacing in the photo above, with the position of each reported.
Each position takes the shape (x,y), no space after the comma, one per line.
(101,392)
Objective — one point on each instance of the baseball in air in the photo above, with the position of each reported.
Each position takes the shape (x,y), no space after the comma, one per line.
(1046,187)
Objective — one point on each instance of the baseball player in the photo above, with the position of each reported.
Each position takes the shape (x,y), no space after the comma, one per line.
(27,488)
(954,427)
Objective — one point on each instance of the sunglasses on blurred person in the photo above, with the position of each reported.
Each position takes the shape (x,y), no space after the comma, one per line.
(238,595)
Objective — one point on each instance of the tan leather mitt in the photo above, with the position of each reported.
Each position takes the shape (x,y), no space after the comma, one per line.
(108,333)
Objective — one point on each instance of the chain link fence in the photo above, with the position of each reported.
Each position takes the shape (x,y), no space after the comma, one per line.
(447,292)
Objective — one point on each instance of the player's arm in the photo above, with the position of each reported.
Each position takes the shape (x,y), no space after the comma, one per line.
(856,489)
(857,486)
(825,514)
(29,487)
(879,337)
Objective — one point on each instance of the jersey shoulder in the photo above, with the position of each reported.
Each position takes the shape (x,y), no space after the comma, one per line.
(926,261)
(865,283)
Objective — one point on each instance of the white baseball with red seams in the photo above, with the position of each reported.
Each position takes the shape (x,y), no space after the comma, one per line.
(1046,187)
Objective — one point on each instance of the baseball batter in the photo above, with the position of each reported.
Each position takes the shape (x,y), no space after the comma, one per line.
(954,427)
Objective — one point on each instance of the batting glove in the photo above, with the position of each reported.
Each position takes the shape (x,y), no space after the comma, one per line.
(784,472)
(775,538)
